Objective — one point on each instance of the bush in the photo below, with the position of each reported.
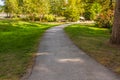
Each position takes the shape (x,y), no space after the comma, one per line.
(87,15)
(60,19)
(72,14)
(92,10)
(49,18)
(105,19)
(28,18)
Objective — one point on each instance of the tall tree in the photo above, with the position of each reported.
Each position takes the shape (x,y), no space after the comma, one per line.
(27,8)
(42,7)
(58,7)
(72,12)
(80,6)
(11,7)
(115,38)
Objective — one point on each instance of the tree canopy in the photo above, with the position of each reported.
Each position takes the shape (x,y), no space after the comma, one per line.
(71,9)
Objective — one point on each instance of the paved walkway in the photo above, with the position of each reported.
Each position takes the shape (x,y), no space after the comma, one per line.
(59,59)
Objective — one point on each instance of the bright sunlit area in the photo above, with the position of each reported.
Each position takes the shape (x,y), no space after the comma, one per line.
(59,39)
(1,2)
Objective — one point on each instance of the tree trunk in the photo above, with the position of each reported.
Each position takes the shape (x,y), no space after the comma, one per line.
(33,17)
(41,16)
(115,38)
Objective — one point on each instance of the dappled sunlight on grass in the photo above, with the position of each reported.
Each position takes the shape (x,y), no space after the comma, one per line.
(18,42)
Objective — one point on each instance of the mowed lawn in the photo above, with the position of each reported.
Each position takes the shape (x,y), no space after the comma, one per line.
(95,42)
(18,44)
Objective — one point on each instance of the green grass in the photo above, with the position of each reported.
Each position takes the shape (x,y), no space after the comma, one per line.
(95,42)
(18,43)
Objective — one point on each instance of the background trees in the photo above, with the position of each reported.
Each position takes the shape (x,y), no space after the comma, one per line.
(27,8)
(71,9)
(72,12)
(99,10)
(11,7)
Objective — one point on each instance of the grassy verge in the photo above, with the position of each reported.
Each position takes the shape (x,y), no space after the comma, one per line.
(95,42)
(18,43)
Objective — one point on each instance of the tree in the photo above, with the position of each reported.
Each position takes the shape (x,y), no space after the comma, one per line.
(58,7)
(73,10)
(80,4)
(95,10)
(72,14)
(27,8)
(115,38)
(11,7)
(42,7)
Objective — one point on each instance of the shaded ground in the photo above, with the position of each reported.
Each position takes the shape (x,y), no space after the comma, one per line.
(59,59)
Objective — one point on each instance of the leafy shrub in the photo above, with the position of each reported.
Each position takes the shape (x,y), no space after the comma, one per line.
(72,14)
(49,18)
(95,10)
(60,19)
(92,10)
(87,15)
(105,19)
(28,18)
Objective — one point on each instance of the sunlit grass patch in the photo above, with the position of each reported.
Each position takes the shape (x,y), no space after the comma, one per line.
(18,43)
(95,42)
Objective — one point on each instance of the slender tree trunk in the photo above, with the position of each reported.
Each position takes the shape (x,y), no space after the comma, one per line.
(115,38)
(41,16)
(7,15)
(32,17)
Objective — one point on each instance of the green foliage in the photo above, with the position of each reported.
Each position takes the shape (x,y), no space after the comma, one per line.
(102,11)
(29,8)
(80,4)
(72,14)
(92,10)
(49,18)
(35,7)
(57,7)
(71,9)
(87,15)
(105,19)
(95,10)
(11,7)
(45,18)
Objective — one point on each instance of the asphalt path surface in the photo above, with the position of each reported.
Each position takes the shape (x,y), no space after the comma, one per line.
(59,59)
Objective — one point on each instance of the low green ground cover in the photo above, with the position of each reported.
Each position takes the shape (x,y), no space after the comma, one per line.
(18,43)
(95,42)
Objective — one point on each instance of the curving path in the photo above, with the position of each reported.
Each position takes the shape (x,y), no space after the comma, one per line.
(59,59)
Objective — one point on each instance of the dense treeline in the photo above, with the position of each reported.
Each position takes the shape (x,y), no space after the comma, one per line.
(26,8)
(99,10)
(70,9)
